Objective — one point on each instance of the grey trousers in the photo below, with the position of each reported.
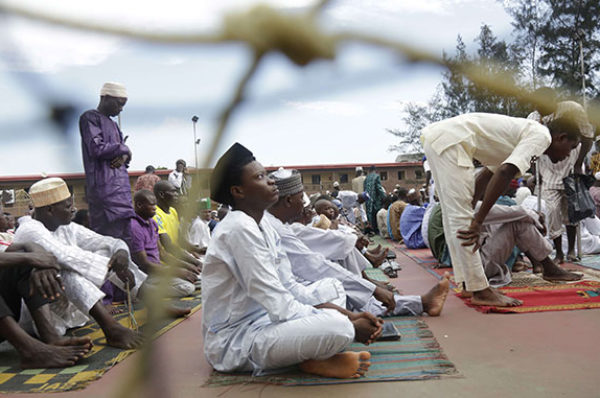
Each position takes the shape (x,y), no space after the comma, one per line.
(497,247)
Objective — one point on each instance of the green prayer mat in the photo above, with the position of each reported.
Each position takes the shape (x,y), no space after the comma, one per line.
(416,356)
(93,366)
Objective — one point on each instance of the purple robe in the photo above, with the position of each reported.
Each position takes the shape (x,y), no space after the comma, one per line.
(108,190)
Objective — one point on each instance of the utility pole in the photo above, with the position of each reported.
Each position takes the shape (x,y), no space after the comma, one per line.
(196,141)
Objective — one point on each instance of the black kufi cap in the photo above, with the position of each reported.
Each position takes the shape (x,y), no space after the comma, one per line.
(227,172)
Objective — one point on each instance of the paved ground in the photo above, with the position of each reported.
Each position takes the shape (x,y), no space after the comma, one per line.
(551,354)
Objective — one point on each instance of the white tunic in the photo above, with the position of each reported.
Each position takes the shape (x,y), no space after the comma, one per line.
(311,266)
(199,233)
(83,256)
(349,201)
(255,315)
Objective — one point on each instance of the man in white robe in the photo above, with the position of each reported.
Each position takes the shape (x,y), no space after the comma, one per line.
(255,316)
(312,266)
(86,259)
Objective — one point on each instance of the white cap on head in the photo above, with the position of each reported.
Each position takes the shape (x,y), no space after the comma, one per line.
(114,90)
(597,176)
(359,168)
(336,184)
(48,191)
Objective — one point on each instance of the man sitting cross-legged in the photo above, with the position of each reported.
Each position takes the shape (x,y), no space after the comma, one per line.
(167,219)
(29,273)
(252,318)
(145,252)
(311,265)
(85,259)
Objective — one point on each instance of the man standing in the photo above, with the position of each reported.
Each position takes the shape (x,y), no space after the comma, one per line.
(105,160)
(358,183)
(376,193)
(505,146)
(180,177)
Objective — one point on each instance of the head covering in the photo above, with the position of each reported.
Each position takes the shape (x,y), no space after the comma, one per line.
(204,204)
(359,168)
(114,90)
(597,176)
(48,191)
(289,182)
(227,172)
(336,184)
(365,196)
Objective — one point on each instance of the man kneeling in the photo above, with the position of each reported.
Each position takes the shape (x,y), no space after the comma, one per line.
(251,321)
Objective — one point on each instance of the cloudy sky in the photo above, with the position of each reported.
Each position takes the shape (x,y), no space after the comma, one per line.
(327,112)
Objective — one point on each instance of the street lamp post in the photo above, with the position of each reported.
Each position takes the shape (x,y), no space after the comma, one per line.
(196,141)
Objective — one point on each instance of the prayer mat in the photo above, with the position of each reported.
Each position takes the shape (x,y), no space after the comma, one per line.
(591,261)
(377,275)
(416,356)
(555,297)
(101,358)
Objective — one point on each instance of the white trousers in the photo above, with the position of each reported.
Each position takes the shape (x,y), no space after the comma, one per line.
(455,186)
(405,305)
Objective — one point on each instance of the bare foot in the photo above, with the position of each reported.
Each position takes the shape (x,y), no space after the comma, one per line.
(120,337)
(175,312)
(494,298)
(552,272)
(66,341)
(572,258)
(375,250)
(41,355)
(559,259)
(345,365)
(561,275)
(433,301)
(520,266)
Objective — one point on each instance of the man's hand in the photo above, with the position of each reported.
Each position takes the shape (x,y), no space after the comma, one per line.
(46,282)
(367,326)
(386,297)
(119,262)
(542,219)
(471,235)
(119,161)
(44,260)
(186,275)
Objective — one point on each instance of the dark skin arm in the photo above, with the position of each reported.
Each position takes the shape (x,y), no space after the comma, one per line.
(119,263)
(481,183)
(44,278)
(497,185)
(169,259)
(586,145)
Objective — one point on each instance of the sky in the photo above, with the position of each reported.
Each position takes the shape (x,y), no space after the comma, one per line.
(324,113)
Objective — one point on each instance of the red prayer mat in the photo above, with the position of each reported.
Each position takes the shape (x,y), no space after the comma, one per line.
(558,297)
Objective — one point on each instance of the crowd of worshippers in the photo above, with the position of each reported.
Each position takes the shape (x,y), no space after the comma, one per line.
(283,275)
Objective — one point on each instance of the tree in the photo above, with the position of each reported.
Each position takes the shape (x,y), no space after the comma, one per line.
(528,19)
(455,97)
(569,23)
(417,116)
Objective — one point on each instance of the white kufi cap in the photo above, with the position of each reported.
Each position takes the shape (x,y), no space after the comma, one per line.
(48,191)
(114,90)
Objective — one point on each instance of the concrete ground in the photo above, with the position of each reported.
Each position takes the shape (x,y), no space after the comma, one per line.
(546,354)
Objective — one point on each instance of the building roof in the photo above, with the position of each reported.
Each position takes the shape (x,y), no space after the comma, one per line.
(81,176)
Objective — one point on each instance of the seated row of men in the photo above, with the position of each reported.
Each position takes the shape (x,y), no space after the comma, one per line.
(68,265)
(277,292)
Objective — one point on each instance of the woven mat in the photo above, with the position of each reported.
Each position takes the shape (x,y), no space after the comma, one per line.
(92,367)
(416,356)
